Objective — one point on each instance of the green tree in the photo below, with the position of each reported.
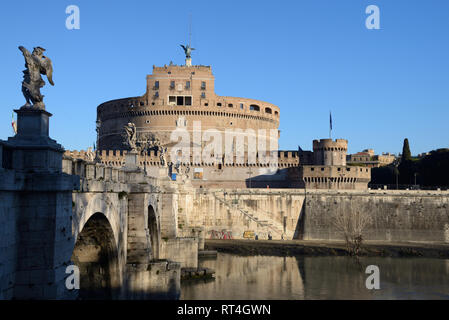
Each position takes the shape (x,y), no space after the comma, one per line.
(406,154)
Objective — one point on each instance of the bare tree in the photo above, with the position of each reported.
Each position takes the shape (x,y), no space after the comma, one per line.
(352,224)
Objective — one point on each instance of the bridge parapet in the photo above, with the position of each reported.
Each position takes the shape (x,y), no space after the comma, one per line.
(100,177)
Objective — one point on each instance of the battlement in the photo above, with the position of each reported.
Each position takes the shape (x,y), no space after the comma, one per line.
(181,70)
(330,145)
(116,158)
(335,177)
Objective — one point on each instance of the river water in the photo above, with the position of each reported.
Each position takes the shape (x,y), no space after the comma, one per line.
(331,277)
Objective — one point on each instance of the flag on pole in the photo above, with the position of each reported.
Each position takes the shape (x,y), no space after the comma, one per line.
(14,124)
(330,119)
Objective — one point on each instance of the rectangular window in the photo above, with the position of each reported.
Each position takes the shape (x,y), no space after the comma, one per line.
(172,84)
(187,84)
(198,174)
(188,101)
(203,85)
(156,85)
(180,100)
(203,95)
(241,106)
(171,99)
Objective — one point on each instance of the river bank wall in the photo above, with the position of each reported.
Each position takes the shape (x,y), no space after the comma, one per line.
(396,215)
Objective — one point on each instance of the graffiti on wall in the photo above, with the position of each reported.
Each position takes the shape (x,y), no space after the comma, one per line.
(221,235)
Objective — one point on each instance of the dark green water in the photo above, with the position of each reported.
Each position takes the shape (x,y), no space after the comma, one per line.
(287,278)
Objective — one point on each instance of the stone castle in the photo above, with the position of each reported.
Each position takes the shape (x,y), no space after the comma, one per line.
(177,97)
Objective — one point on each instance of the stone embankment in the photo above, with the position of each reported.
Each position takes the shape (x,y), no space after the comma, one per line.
(320,248)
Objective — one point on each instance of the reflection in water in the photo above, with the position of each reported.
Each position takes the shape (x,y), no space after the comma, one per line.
(286,278)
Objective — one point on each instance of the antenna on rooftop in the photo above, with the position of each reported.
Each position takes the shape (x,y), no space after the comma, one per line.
(188,49)
(190,30)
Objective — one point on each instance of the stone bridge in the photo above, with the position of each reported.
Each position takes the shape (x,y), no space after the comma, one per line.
(118,226)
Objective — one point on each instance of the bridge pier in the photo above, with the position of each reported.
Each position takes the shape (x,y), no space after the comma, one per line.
(37,199)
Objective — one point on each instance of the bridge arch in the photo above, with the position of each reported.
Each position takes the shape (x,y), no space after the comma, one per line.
(96,255)
(99,224)
(88,204)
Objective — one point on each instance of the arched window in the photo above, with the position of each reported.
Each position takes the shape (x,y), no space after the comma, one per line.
(268,110)
(254,107)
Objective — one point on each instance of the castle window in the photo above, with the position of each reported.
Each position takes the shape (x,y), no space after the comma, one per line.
(254,107)
(268,110)
(203,85)
(322,169)
(171,99)
(172,84)
(206,104)
(241,106)
(230,105)
(188,101)
(276,113)
(148,121)
(180,100)
(187,84)
(156,85)
(219,104)
(156,94)
(348,169)
(203,95)
(312,169)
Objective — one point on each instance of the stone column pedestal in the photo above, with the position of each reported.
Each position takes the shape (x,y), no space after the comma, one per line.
(131,160)
(32,148)
(42,194)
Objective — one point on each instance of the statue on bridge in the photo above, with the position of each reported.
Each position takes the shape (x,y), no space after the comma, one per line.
(131,136)
(36,64)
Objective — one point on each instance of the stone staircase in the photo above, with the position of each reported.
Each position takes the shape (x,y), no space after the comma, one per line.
(261,218)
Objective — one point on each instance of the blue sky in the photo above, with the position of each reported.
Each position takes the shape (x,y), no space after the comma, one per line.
(307,57)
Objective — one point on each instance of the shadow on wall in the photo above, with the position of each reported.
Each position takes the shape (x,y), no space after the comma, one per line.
(154,232)
(299,229)
(283,178)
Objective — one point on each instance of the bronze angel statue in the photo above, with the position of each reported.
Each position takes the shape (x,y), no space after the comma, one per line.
(187,50)
(36,64)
